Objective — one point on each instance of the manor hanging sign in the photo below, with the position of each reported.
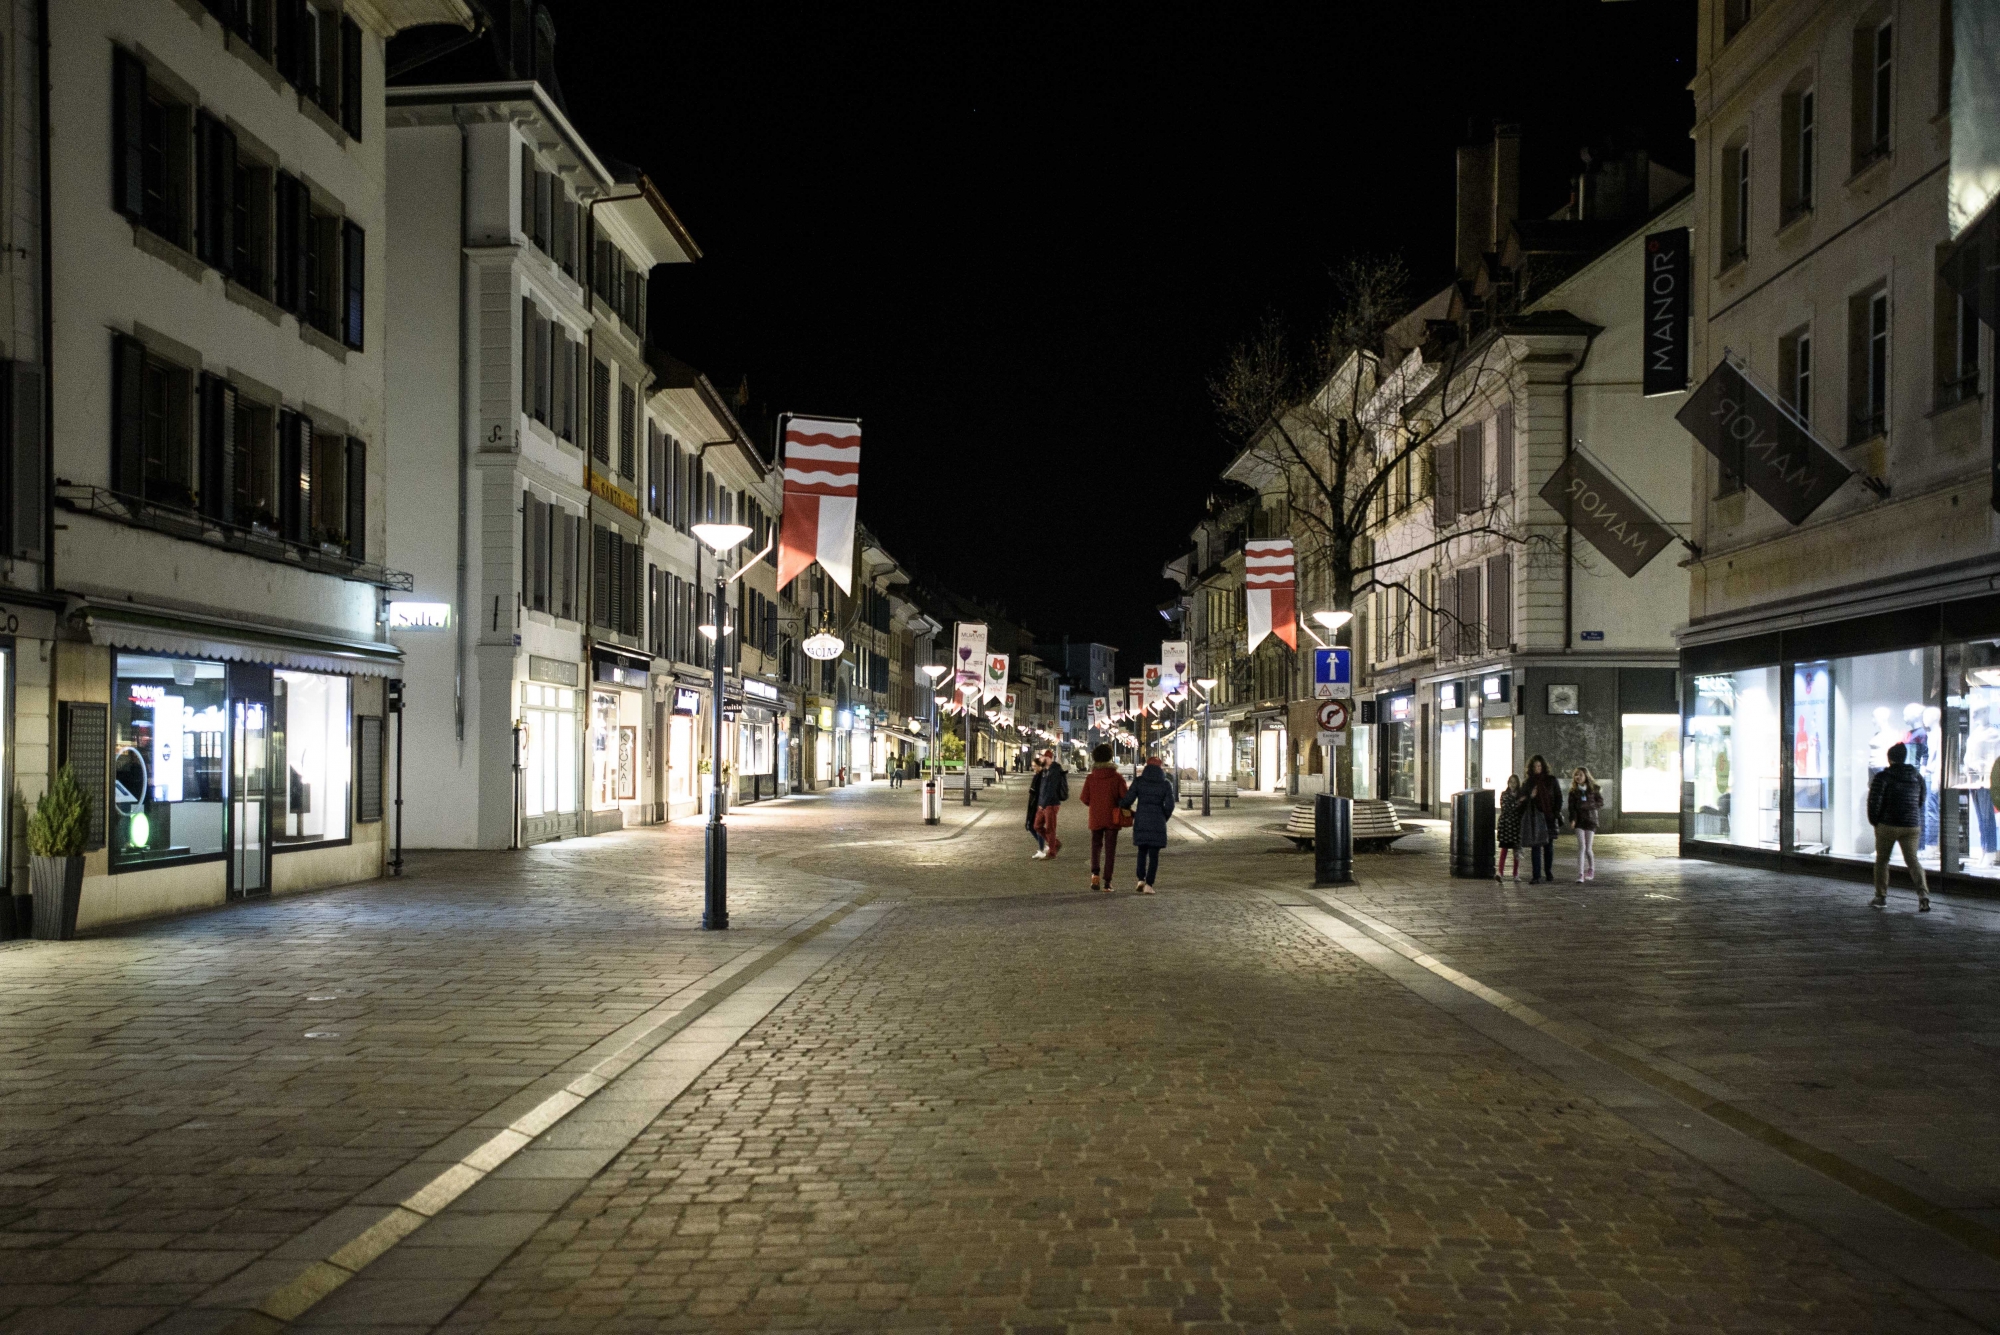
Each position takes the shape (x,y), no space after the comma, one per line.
(1609,518)
(1666,304)
(1757,439)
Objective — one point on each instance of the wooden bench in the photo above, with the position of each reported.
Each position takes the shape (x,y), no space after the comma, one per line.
(953,781)
(1218,790)
(1376,825)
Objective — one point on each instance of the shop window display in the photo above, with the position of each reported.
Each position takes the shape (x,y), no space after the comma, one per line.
(1650,763)
(1363,742)
(1972,689)
(1846,714)
(1399,749)
(1451,758)
(548,720)
(169,733)
(309,724)
(606,780)
(1730,771)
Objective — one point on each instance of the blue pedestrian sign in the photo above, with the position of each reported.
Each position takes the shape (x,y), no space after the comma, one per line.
(1333,674)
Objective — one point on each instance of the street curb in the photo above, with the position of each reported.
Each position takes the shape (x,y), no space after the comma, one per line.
(317,1279)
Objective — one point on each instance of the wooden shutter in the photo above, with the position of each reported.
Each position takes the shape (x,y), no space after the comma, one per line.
(128,127)
(26,476)
(770,627)
(368,769)
(600,575)
(294,475)
(350,76)
(216,449)
(1500,602)
(1471,479)
(1503,449)
(527,356)
(128,418)
(1447,618)
(84,744)
(527,192)
(633,566)
(544,513)
(354,276)
(357,498)
(287,39)
(1468,612)
(1446,463)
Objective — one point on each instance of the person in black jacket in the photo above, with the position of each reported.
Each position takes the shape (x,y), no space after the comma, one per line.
(1896,810)
(1053,792)
(1151,799)
(1035,808)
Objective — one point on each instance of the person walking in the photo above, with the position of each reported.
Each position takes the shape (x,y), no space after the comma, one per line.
(1507,828)
(1896,810)
(1035,807)
(1054,791)
(1151,800)
(1102,792)
(1541,817)
(1586,799)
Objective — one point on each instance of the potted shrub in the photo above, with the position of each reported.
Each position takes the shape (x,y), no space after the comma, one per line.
(57,833)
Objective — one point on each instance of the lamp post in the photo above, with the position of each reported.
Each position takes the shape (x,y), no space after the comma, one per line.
(934,671)
(718,538)
(1207,685)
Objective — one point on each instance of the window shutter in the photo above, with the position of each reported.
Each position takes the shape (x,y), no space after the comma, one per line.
(357,498)
(639,285)
(284,224)
(128,122)
(295,446)
(633,565)
(128,421)
(26,479)
(1503,450)
(1447,618)
(600,575)
(1500,602)
(354,275)
(1446,463)
(217,447)
(770,627)
(214,192)
(350,76)
(368,764)
(285,40)
(559,227)
(1471,479)
(1468,611)
(543,514)
(84,744)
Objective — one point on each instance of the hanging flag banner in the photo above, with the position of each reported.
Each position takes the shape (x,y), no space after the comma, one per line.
(971,658)
(1156,694)
(1098,710)
(996,677)
(1174,666)
(1610,519)
(1757,439)
(1665,368)
(1007,710)
(1135,695)
(1270,591)
(822,482)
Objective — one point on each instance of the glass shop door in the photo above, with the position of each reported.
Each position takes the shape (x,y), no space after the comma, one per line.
(249,780)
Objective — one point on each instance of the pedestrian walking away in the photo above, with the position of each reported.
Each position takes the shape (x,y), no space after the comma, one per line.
(1585,801)
(1102,792)
(1508,827)
(1896,810)
(1053,793)
(1151,801)
(1541,817)
(1035,807)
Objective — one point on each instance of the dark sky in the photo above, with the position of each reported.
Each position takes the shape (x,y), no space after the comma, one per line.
(1015,240)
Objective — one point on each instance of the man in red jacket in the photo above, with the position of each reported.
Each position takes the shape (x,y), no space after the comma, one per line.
(1102,792)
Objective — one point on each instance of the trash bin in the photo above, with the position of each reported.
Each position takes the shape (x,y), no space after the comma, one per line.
(1333,840)
(1472,833)
(930,802)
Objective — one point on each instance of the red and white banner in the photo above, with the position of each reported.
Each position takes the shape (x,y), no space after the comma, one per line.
(822,482)
(1270,591)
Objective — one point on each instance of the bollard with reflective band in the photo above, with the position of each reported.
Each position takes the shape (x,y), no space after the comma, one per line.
(931,805)
(1333,840)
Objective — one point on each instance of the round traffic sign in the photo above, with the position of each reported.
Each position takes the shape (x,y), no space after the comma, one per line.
(1332,715)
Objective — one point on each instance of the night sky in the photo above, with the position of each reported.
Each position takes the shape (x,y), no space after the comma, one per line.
(1016,240)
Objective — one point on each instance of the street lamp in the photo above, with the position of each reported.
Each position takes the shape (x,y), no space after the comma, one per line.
(1207,685)
(718,538)
(934,671)
(1333,620)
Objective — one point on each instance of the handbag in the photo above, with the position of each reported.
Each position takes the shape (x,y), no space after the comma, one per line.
(1121,818)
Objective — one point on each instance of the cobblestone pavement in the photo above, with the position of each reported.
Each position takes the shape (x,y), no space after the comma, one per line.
(1005,1103)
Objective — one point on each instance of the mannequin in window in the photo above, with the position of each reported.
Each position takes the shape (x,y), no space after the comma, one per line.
(1884,737)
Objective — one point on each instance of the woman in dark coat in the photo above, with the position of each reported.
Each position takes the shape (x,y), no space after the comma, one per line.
(1034,806)
(1151,800)
(1541,817)
(1508,831)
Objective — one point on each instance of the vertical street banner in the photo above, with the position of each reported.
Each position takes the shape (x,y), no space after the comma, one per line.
(822,485)
(970,660)
(1174,666)
(995,686)
(1665,370)
(1007,710)
(1270,591)
(1758,439)
(1156,694)
(1610,519)
(1135,695)
(1098,709)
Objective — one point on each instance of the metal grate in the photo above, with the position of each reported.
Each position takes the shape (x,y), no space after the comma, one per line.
(86,749)
(368,784)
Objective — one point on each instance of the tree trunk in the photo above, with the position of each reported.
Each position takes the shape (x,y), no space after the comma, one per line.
(1341,763)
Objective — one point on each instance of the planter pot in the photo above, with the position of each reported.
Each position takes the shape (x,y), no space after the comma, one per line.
(58,886)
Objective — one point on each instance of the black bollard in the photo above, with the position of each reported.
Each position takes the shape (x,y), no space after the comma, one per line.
(1484,833)
(1333,840)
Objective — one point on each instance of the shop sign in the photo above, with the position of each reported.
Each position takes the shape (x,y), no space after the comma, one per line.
(763,690)
(686,701)
(554,671)
(419,616)
(825,718)
(1610,519)
(1448,697)
(1399,708)
(1759,440)
(605,489)
(1665,369)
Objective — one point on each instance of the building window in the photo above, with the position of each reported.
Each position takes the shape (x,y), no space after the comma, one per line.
(1868,364)
(254,466)
(1846,714)
(1735,13)
(1798,115)
(1735,203)
(600,412)
(250,198)
(1729,758)
(152,138)
(169,734)
(1795,371)
(312,749)
(1650,763)
(1874,86)
(152,427)
(1957,347)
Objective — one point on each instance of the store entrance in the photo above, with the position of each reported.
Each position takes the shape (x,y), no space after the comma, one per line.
(249,780)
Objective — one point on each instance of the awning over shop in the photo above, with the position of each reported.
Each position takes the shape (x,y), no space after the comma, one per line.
(186,635)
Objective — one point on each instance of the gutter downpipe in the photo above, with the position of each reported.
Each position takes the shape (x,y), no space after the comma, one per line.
(1569,529)
(464,420)
(48,358)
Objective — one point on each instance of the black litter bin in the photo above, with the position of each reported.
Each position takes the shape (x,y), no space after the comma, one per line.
(1472,833)
(1333,840)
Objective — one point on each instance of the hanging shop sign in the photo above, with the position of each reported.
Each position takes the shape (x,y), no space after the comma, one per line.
(686,701)
(1666,304)
(822,487)
(1270,591)
(823,646)
(1174,665)
(1756,438)
(1610,518)
(419,616)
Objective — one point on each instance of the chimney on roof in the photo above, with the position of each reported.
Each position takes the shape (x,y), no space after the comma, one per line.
(1489,193)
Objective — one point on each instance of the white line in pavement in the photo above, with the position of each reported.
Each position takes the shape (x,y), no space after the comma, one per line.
(984,812)
(316,1280)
